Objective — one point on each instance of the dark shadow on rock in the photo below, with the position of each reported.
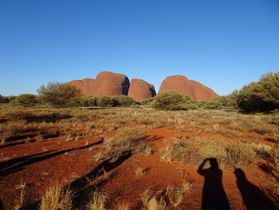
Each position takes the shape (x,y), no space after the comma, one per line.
(253,197)
(14,165)
(213,195)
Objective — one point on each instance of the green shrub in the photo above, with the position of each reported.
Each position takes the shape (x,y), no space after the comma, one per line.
(87,101)
(170,101)
(262,96)
(26,100)
(221,102)
(3,99)
(147,101)
(106,101)
(124,101)
(59,94)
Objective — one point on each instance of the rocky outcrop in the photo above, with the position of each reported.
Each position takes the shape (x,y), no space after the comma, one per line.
(105,84)
(112,84)
(191,88)
(140,90)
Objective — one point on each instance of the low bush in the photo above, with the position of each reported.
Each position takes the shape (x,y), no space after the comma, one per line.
(124,101)
(59,94)
(3,99)
(106,101)
(88,101)
(26,100)
(171,101)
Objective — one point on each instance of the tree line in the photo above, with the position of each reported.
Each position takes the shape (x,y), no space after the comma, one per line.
(261,96)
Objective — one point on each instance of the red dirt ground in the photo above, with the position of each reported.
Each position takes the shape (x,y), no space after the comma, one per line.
(71,163)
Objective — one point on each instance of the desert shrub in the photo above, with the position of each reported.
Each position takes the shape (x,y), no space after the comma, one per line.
(56,198)
(3,99)
(106,101)
(11,98)
(260,96)
(180,149)
(124,101)
(97,202)
(147,101)
(59,94)
(151,202)
(221,102)
(87,101)
(170,101)
(125,140)
(26,100)
(175,194)
(240,153)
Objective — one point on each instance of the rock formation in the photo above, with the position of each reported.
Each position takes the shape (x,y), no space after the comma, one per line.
(105,84)
(140,90)
(191,88)
(112,84)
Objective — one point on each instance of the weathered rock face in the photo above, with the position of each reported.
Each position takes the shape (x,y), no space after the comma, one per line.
(105,84)
(191,88)
(87,86)
(140,90)
(112,84)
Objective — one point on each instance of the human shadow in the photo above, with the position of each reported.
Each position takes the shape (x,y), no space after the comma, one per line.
(17,164)
(213,195)
(252,196)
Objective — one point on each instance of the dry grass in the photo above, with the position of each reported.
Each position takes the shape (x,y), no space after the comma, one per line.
(141,171)
(56,198)
(151,202)
(20,203)
(97,201)
(175,194)
(240,154)
(180,149)
(126,140)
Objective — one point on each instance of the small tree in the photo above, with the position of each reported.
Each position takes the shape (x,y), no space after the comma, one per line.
(59,94)
(260,96)
(26,100)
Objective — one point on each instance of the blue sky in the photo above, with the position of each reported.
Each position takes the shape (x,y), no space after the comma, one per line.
(224,44)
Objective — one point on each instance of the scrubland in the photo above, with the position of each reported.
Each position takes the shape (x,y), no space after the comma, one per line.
(135,158)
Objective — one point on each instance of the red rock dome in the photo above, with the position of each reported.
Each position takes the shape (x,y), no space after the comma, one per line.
(140,90)
(191,88)
(105,84)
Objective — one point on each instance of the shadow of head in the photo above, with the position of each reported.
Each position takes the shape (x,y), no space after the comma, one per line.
(213,163)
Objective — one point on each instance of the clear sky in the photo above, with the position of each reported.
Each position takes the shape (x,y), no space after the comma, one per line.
(223,44)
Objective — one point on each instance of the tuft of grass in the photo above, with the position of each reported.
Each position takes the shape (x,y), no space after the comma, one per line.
(97,201)
(175,194)
(123,206)
(151,202)
(126,140)
(180,149)
(141,171)
(21,202)
(56,198)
